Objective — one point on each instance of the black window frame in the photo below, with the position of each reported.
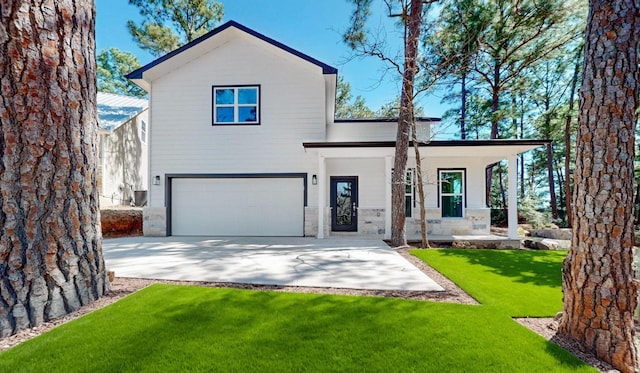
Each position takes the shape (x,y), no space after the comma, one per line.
(464,190)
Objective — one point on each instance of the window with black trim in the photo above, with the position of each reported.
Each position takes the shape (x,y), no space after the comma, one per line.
(452,193)
(409,193)
(236,104)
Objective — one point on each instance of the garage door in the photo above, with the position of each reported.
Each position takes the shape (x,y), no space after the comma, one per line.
(237,207)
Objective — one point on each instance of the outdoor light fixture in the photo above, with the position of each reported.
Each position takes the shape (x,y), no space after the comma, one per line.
(314,180)
(156,180)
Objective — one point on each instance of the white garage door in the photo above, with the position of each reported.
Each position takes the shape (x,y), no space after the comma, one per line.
(237,207)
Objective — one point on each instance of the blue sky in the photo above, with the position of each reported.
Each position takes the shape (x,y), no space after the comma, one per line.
(312,27)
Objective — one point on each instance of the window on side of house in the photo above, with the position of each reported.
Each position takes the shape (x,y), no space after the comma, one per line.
(143,131)
(452,193)
(236,105)
(409,193)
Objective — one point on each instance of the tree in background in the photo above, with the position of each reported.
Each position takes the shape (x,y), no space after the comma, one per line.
(410,15)
(113,65)
(346,108)
(50,243)
(391,109)
(600,292)
(169,24)
(496,41)
(457,32)
(569,130)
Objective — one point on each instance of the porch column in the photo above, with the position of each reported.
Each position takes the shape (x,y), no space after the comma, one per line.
(322,186)
(513,196)
(387,201)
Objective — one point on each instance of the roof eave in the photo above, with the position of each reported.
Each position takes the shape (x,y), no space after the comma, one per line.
(138,74)
(435,143)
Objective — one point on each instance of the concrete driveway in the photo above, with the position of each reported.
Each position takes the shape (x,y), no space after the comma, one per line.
(334,262)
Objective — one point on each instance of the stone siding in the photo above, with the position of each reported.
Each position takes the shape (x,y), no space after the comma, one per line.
(371,221)
(475,222)
(154,221)
(310,221)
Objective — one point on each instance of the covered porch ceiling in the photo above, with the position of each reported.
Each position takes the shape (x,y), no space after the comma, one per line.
(490,150)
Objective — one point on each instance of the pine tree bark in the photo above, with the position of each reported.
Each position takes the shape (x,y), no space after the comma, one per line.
(411,39)
(50,244)
(600,293)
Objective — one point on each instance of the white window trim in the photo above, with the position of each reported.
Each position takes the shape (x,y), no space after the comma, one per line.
(236,106)
(463,193)
(143,131)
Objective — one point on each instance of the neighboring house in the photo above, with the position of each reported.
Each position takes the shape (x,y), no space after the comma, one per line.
(244,142)
(123,156)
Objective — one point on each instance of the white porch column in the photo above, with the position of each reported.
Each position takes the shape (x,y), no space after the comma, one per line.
(387,202)
(513,196)
(322,191)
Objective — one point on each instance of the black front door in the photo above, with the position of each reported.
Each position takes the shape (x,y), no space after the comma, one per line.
(344,203)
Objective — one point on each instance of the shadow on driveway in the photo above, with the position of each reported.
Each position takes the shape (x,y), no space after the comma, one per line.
(288,261)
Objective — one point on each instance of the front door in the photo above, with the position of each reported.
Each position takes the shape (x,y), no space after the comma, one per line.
(344,203)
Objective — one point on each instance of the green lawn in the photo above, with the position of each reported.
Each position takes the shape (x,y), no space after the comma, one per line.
(183,328)
(515,282)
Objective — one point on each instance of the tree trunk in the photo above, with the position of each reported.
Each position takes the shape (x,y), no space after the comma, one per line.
(495,122)
(503,192)
(600,293)
(463,110)
(412,35)
(50,246)
(560,178)
(420,186)
(636,205)
(552,183)
(521,125)
(567,137)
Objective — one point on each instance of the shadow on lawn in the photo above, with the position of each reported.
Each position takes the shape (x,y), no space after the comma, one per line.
(531,267)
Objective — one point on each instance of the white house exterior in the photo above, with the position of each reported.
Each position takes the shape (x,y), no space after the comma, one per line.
(244,142)
(123,151)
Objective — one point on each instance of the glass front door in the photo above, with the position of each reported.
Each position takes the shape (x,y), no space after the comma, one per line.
(344,203)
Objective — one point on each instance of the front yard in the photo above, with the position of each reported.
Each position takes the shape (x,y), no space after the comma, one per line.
(180,328)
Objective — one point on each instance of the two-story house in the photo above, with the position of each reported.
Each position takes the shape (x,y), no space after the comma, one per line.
(243,141)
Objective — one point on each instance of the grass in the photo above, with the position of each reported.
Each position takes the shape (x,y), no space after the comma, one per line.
(515,282)
(182,328)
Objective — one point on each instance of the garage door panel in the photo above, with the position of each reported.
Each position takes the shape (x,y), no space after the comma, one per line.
(237,207)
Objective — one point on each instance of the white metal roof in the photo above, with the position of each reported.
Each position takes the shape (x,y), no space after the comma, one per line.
(114,110)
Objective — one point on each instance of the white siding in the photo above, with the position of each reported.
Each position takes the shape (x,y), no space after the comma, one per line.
(292,107)
(371,179)
(125,161)
(475,177)
(371,131)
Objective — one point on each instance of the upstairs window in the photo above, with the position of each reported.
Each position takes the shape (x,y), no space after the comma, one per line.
(452,193)
(236,105)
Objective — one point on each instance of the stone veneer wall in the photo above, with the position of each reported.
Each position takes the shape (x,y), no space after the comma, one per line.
(475,222)
(310,221)
(370,222)
(154,221)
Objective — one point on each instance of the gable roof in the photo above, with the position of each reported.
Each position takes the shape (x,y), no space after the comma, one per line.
(114,110)
(137,74)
